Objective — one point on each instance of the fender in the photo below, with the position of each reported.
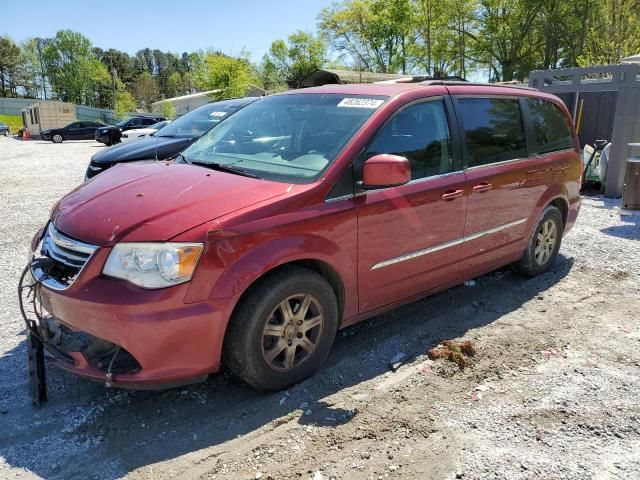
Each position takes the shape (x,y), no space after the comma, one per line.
(565,186)
(553,193)
(248,268)
(232,264)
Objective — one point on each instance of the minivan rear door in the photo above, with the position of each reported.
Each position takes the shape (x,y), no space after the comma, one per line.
(496,163)
(409,237)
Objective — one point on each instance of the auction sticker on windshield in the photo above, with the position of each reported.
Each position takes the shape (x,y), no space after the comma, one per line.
(217,114)
(360,102)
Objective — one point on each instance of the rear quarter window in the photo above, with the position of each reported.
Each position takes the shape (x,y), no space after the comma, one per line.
(552,130)
(493,130)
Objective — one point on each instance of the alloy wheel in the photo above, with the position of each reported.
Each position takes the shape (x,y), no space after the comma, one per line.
(292,332)
(546,240)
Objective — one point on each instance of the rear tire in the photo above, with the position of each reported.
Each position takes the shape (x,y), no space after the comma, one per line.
(283,330)
(544,244)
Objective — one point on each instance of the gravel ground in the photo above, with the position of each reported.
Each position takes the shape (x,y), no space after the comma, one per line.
(551,393)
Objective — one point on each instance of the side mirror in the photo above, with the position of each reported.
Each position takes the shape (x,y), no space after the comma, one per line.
(385,170)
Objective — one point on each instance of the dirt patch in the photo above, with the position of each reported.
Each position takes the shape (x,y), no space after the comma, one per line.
(459,353)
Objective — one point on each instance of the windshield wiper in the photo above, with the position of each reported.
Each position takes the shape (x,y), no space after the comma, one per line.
(184,159)
(223,168)
(218,166)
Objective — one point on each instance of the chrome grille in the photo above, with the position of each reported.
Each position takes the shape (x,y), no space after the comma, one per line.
(65,250)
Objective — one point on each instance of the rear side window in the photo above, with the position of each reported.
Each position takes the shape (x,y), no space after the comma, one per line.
(493,130)
(550,125)
(419,133)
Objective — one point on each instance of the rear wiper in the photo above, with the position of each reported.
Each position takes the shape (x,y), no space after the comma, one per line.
(223,168)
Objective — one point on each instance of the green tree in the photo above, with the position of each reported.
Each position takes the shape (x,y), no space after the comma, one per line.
(613,33)
(145,90)
(173,86)
(292,61)
(562,26)
(167,110)
(100,92)
(9,58)
(507,38)
(229,76)
(444,36)
(376,33)
(124,102)
(75,74)
(268,76)
(143,61)
(117,61)
(28,70)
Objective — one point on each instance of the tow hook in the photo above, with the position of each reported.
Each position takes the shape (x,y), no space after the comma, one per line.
(108,383)
(28,295)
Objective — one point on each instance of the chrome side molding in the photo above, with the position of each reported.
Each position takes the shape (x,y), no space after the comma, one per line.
(442,246)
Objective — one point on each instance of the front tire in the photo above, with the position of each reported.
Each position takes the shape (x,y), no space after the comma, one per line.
(57,138)
(283,330)
(544,244)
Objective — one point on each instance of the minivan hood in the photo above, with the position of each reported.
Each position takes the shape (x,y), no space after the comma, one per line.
(154,201)
(143,149)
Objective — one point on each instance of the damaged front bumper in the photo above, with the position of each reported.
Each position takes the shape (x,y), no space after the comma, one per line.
(72,350)
(113,332)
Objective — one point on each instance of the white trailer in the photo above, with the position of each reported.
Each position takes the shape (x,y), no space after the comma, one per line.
(44,115)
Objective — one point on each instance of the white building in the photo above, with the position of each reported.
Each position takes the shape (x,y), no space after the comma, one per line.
(187,103)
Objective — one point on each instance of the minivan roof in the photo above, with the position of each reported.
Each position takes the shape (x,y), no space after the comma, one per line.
(393,89)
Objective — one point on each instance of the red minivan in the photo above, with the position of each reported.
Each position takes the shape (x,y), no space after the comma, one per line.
(301,214)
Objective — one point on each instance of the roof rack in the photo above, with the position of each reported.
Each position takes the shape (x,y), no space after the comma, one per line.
(475,84)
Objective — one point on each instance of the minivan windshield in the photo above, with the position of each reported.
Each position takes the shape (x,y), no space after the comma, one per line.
(291,138)
(194,123)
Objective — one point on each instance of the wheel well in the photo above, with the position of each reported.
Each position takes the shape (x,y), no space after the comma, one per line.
(561,204)
(318,266)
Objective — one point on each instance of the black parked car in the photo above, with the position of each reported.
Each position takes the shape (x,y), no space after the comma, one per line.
(111,134)
(4,129)
(170,140)
(73,131)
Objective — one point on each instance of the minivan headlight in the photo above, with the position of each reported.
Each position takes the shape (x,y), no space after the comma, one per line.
(153,265)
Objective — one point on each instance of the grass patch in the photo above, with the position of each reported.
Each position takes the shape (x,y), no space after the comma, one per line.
(13,121)
(456,352)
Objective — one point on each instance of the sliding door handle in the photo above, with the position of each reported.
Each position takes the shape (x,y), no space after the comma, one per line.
(482,187)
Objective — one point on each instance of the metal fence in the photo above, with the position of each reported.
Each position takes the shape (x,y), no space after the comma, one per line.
(96,114)
(13,106)
(611,108)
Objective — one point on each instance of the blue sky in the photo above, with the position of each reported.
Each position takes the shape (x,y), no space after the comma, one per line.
(174,25)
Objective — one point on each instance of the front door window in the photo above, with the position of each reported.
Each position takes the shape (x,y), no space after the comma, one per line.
(419,133)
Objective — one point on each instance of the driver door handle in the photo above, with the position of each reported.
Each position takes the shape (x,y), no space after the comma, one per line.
(452,194)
